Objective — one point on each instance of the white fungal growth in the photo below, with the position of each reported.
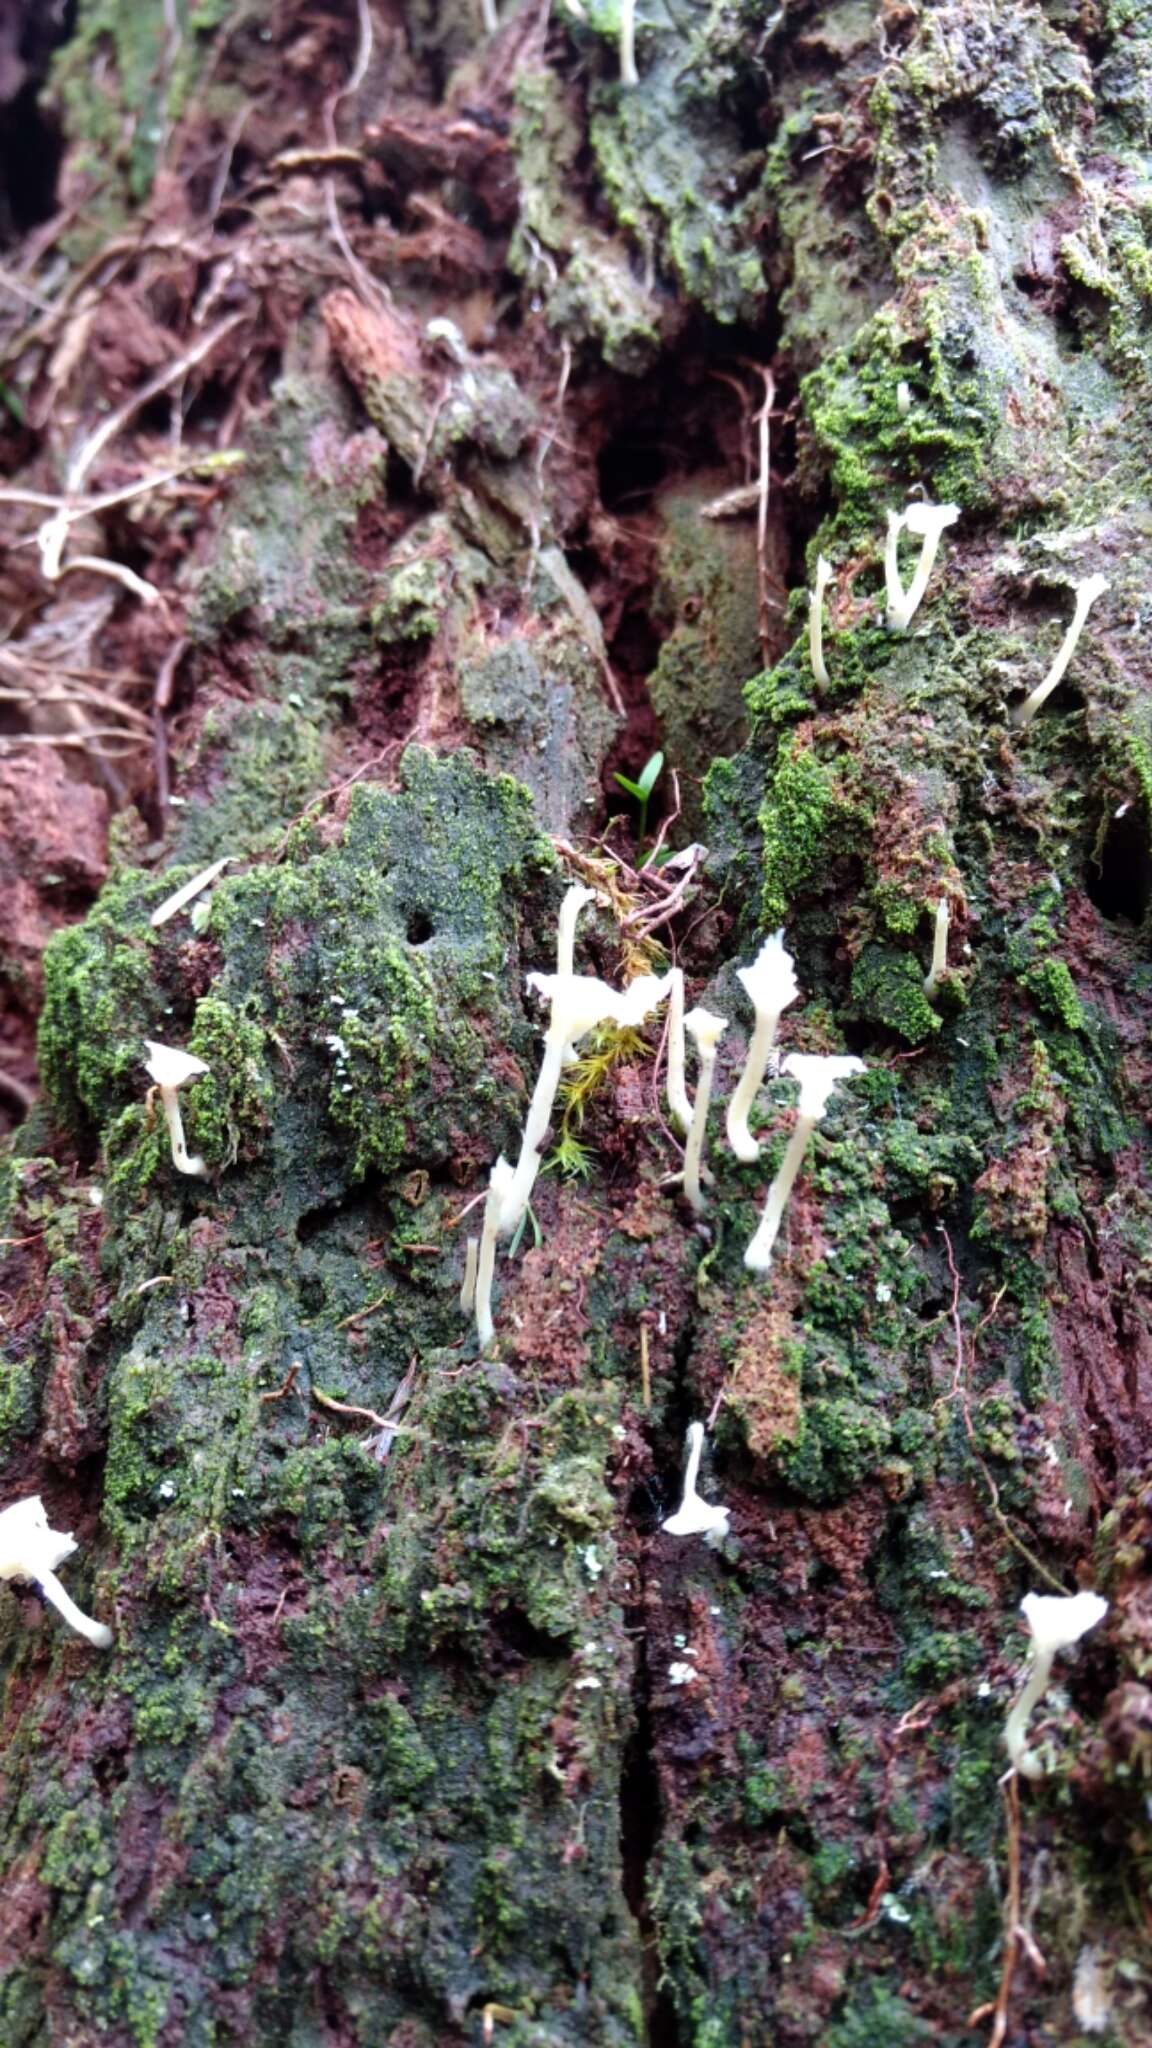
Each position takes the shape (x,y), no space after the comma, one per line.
(468,1284)
(706,1029)
(816,621)
(180,898)
(1056,1621)
(577,1003)
(926,523)
(575,899)
(498,1186)
(30,1551)
(818,1074)
(770,986)
(1087,591)
(696,1517)
(170,1068)
(628,72)
(679,1101)
(903,399)
(489,17)
(939,965)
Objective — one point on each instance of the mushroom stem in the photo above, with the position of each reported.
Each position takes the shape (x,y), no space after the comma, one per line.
(707,1031)
(928,522)
(468,1286)
(758,1256)
(522,1181)
(763,1038)
(939,949)
(816,621)
(574,900)
(489,17)
(679,1101)
(95,1632)
(694,1150)
(1087,592)
(771,985)
(486,1260)
(170,1102)
(1024,1759)
(628,72)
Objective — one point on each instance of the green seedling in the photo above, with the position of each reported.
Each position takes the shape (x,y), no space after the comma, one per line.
(642,789)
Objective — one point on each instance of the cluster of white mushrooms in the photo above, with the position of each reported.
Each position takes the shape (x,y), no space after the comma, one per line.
(926,523)
(579,1002)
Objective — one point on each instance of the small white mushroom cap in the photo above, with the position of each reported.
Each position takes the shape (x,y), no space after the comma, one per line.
(169,1067)
(579,1001)
(818,1074)
(770,982)
(922,519)
(1057,1620)
(27,1545)
(707,1029)
(30,1552)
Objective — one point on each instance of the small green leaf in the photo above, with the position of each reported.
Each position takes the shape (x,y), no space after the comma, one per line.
(649,776)
(632,788)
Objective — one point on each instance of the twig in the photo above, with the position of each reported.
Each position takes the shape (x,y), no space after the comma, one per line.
(360,1314)
(290,1378)
(645,1373)
(24,1100)
(161,699)
(998,2008)
(764,602)
(116,421)
(346,1408)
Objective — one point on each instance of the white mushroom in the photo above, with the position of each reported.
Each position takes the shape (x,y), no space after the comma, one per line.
(818,1074)
(628,72)
(816,621)
(498,1187)
(706,1029)
(696,1517)
(679,1100)
(927,523)
(170,1068)
(30,1552)
(1087,591)
(577,1003)
(939,965)
(1056,1621)
(770,986)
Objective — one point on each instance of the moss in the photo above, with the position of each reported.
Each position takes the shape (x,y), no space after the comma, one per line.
(888,989)
(588,288)
(840,1444)
(1053,988)
(796,817)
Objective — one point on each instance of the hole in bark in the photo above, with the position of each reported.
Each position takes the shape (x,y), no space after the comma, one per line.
(31,144)
(1119,876)
(640,1824)
(420,928)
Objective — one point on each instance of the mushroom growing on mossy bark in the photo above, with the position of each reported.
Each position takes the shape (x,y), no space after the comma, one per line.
(706,1030)
(30,1552)
(576,1002)
(1056,1621)
(770,986)
(818,1074)
(696,1517)
(927,523)
(170,1068)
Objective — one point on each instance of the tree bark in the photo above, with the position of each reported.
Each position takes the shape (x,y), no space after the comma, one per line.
(529,401)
